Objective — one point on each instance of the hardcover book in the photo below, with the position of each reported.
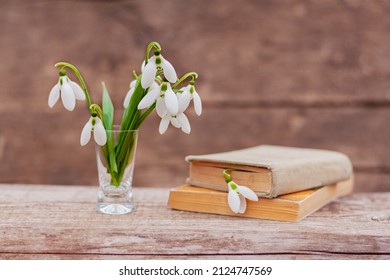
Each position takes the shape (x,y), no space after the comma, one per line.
(270,171)
(290,207)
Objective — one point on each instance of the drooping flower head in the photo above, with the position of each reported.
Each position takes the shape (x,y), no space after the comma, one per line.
(189,93)
(94,124)
(237,197)
(68,90)
(178,120)
(165,97)
(237,194)
(150,69)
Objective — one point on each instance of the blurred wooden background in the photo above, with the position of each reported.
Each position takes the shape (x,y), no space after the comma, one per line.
(295,73)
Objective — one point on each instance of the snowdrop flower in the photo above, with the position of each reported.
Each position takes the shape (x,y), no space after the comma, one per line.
(94,124)
(150,69)
(237,195)
(167,101)
(130,93)
(179,121)
(189,93)
(69,91)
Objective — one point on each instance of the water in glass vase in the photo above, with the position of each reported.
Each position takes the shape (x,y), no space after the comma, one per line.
(115,171)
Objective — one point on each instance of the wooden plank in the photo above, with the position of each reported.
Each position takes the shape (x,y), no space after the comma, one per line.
(61,220)
(301,256)
(51,142)
(2,145)
(339,58)
(258,74)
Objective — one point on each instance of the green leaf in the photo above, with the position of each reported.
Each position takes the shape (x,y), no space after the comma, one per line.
(108,118)
(129,119)
(130,112)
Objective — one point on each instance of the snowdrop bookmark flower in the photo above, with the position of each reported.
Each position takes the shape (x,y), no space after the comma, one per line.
(69,91)
(94,124)
(150,69)
(237,194)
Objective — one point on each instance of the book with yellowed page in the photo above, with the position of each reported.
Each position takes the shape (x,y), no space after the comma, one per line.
(289,207)
(270,171)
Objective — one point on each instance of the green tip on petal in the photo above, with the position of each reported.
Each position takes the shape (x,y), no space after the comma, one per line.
(164,87)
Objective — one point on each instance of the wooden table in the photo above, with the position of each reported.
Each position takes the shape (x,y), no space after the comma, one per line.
(60,222)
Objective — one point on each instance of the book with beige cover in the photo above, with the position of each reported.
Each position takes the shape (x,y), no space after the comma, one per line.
(270,171)
(290,207)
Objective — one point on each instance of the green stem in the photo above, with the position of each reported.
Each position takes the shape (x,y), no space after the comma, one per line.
(96,108)
(78,75)
(145,115)
(193,76)
(149,48)
(228,177)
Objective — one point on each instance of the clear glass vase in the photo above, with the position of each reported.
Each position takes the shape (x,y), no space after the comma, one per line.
(115,195)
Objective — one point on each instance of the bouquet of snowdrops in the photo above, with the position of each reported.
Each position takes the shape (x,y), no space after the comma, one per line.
(157,87)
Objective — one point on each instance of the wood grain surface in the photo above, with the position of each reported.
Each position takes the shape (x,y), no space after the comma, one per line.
(295,73)
(60,222)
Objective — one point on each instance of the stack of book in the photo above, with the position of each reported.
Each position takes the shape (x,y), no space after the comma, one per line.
(290,183)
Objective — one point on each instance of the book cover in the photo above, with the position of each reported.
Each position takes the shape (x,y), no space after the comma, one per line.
(270,171)
(290,207)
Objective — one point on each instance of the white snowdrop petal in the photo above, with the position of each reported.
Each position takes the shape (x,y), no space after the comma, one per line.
(161,108)
(77,90)
(185,124)
(184,100)
(67,96)
(153,58)
(169,71)
(247,192)
(133,83)
(171,101)
(129,94)
(149,99)
(175,122)
(154,85)
(54,95)
(149,73)
(164,124)
(234,201)
(86,133)
(197,103)
(99,133)
(242,204)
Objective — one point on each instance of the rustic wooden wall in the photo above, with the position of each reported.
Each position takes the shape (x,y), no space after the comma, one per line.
(296,73)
